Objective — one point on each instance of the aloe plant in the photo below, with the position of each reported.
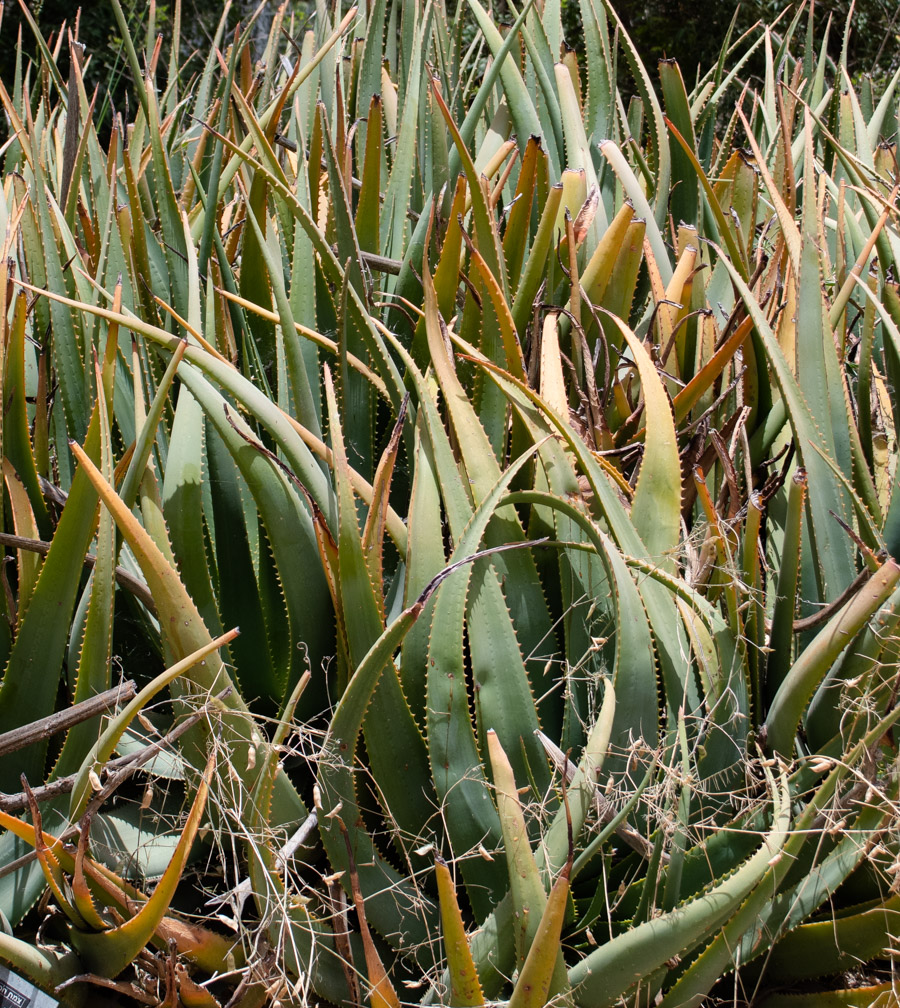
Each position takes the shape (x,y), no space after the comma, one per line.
(511,424)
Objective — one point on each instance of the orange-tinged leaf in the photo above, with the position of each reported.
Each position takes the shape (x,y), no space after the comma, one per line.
(465,988)
(382,993)
(688,397)
(536,976)
(109,952)
(672,311)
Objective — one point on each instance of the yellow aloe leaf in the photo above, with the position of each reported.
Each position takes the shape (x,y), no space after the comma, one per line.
(29,562)
(574,193)
(184,632)
(389,97)
(786,332)
(619,293)
(672,311)
(552,383)
(536,976)
(465,989)
(654,273)
(109,952)
(528,893)
(596,274)
(209,950)
(446,274)
(656,512)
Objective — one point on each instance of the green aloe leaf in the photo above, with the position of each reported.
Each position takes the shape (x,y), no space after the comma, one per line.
(818,656)
(605,974)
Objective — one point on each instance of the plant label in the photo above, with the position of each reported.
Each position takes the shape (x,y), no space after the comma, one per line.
(15,992)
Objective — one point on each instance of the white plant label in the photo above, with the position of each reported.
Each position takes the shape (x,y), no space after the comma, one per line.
(16,992)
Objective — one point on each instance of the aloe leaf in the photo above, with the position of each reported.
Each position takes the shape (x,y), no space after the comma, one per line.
(93,672)
(635,715)
(406,796)
(28,564)
(535,265)
(725,230)
(656,511)
(267,117)
(657,601)
(857,682)
(457,769)
(42,637)
(258,669)
(831,548)
(811,666)
(752,930)
(528,608)
(67,346)
(783,610)
(528,893)
(252,398)
(302,394)
(184,634)
(608,972)
(16,441)
(512,349)
(105,745)
(595,276)
(659,137)
(290,534)
(635,192)
(368,209)
(485,227)
(537,979)
(582,789)
(182,505)
(396,197)
(578,151)
(44,967)
(688,397)
(524,114)
(378,879)
(381,990)
(832,945)
(109,952)
(465,989)
(877,996)
(684,202)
